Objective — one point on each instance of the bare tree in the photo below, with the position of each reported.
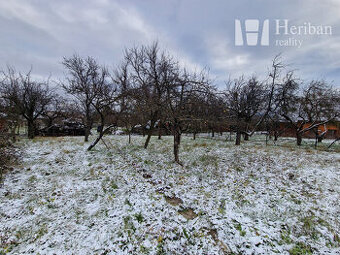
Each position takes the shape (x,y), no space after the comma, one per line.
(129,116)
(319,107)
(81,83)
(182,91)
(148,75)
(130,110)
(244,101)
(106,96)
(284,100)
(203,112)
(28,98)
(249,102)
(213,114)
(12,115)
(55,110)
(314,107)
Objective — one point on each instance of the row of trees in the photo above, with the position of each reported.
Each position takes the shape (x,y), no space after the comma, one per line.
(151,90)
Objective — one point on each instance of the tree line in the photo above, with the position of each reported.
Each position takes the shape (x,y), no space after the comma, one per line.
(150,89)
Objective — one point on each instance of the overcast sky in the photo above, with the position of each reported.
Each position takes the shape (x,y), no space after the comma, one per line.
(199,33)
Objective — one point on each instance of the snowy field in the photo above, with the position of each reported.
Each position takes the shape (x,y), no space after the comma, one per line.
(251,199)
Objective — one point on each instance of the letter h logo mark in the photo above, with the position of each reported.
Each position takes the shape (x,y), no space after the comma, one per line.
(252,28)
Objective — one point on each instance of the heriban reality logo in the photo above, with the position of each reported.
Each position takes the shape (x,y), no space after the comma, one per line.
(253,32)
(252,35)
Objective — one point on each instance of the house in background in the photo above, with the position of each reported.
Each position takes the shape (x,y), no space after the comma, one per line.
(332,130)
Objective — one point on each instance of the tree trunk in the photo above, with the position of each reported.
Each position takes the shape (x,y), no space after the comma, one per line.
(87,123)
(30,129)
(298,138)
(316,141)
(151,128)
(87,133)
(102,131)
(159,131)
(246,137)
(101,134)
(320,138)
(129,137)
(96,141)
(177,141)
(49,122)
(194,135)
(13,134)
(148,138)
(212,133)
(238,138)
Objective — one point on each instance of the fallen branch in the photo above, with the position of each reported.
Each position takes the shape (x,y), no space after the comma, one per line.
(337,139)
(101,134)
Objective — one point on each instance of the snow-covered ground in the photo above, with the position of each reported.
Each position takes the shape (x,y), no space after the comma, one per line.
(251,199)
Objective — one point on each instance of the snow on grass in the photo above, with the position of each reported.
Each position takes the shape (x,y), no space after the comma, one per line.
(250,199)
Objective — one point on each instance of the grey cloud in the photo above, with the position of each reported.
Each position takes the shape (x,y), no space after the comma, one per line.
(200,33)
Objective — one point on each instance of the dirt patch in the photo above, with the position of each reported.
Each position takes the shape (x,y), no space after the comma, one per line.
(188,213)
(147,176)
(173,200)
(214,235)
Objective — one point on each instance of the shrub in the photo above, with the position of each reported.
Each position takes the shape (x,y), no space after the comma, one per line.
(7,155)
